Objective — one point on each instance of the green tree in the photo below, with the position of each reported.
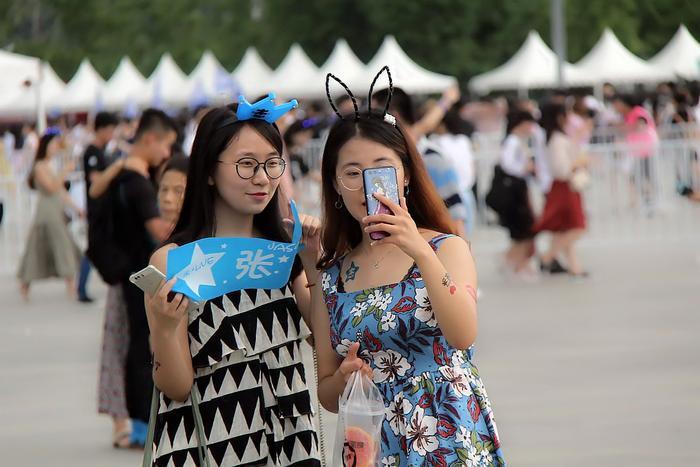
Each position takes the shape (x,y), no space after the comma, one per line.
(458,37)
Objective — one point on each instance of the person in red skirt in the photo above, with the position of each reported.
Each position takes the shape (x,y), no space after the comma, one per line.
(563,213)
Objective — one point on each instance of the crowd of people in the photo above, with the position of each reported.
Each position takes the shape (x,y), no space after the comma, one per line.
(401,309)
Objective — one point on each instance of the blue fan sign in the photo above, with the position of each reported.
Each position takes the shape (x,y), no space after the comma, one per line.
(211,267)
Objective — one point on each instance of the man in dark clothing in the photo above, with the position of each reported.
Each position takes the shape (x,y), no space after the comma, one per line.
(138,229)
(95,163)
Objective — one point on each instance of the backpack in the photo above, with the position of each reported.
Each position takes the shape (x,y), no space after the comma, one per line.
(109,258)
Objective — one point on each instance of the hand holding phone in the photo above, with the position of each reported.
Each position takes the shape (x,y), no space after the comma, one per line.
(380,180)
(149,279)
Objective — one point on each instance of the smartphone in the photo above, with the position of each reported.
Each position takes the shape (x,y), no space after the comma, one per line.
(149,278)
(379,180)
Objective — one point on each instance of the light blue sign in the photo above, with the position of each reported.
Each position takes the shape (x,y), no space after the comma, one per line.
(211,267)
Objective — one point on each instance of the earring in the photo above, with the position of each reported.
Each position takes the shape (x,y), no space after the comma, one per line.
(406,190)
(339,203)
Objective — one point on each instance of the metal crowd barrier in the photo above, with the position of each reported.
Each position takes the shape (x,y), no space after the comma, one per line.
(628,198)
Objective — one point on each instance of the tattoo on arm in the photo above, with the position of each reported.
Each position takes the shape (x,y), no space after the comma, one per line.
(156,365)
(351,271)
(447,282)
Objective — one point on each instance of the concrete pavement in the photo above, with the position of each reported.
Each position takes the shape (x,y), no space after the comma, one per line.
(595,372)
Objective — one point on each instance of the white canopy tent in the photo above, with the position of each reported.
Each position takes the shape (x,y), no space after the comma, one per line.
(533,66)
(610,61)
(168,86)
(343,63)
(20,74)
(17,71)
(124,89)
(210,82)
(680,57)
(296,76)
(405,73)
(252,74)
(84,91)
(27,99)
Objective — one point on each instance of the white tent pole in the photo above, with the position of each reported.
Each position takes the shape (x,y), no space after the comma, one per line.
(598,92)
(40,104)
(558,37)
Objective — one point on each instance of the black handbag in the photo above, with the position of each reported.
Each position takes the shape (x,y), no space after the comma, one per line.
(498,197)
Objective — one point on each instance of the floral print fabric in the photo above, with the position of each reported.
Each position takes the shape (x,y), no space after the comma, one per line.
(437,410)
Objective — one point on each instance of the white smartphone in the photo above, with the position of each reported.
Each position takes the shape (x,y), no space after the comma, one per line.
(149,278)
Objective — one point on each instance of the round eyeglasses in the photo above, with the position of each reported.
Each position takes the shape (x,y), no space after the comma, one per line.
(351,179)
(247,167)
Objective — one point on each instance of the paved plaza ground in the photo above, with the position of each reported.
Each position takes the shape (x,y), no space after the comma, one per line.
(595,372)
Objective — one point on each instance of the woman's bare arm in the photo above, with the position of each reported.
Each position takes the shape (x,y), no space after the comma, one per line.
(173,373)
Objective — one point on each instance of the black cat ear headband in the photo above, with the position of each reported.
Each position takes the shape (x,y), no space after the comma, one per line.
(388,118)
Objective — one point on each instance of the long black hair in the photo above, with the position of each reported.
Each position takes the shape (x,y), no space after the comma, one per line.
(551,113)
(42,151)
(214,134)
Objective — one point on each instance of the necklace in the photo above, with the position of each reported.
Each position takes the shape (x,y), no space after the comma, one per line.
(376,264)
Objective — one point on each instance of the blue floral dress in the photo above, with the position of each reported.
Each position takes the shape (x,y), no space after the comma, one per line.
(437,410)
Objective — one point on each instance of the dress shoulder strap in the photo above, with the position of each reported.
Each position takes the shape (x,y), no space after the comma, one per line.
(438,239)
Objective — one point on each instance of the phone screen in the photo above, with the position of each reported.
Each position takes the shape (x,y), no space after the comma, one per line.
(380,180)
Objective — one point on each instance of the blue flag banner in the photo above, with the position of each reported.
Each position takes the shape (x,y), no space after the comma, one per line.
(211,267)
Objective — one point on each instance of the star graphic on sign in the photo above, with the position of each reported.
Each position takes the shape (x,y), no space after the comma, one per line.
(283,259)
(198,272)
(223,246)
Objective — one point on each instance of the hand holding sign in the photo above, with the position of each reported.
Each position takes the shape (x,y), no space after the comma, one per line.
(310,236)
(211,267)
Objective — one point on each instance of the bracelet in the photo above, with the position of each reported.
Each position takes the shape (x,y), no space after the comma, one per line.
(309,285)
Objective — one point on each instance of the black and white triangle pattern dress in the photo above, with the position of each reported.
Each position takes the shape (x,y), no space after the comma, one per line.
(255,404)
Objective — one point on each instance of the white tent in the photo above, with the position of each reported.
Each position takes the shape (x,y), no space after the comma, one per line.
(610,61)
(405,73)
(252,74)
(297,76)
(680,57)
(17,71)
(25,101)
(18,75)
(344,64)
(533,66)
(210,82)
(124,89)
(168,86)
(84,91)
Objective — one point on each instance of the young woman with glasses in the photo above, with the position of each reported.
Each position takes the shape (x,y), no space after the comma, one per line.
(235,347)
(401,309)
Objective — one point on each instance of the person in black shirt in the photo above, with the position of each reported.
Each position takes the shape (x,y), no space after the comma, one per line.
(139,228)
(95,163)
